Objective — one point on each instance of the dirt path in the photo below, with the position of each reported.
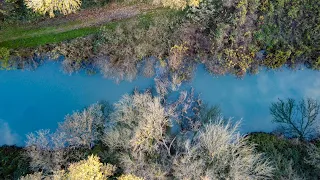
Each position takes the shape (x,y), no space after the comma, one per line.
(81,19)
(101,15)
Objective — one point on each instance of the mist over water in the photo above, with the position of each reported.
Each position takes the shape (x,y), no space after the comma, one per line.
(33,100)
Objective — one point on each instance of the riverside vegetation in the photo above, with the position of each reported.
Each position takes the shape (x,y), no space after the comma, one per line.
(145,135)
(228,36)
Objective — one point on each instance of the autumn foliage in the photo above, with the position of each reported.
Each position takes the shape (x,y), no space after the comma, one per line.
(50,6)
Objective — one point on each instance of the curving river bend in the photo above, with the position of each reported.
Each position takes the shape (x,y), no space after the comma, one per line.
(32,100)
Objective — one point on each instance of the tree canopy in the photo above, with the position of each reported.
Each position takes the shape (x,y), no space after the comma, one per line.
(51,6)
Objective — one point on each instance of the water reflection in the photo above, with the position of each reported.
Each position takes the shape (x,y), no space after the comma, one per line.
(35,100)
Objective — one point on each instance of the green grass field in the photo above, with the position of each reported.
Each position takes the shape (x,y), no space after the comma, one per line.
(49,35)
(48,38)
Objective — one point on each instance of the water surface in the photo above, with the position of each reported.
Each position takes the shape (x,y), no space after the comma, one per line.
(32,100)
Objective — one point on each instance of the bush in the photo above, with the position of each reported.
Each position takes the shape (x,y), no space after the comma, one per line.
(136,135)
(71,142)
(145,117)
(88,169)
(230,26)
(287,155)
(76,59)
(278,59)
(15,11)
(13,164)
(129,177)
(50,6)
(147,137)
(4,57)
(34,176)
(178,4)
(121,48)
(289,26)
(314,156)
(217,151)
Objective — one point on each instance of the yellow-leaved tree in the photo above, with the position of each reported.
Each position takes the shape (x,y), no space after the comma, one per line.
(50,6)
(90,169)
(178,4)
(129,177)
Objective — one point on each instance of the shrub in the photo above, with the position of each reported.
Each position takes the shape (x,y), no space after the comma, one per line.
(178,4)
(137,135)
(219,152)
(286,26)
(147,138)
(316,63)
(230,26)
(4,57)
(50,6)
(278,59)
(78,53)
(141,120)
(287,155)
(15,11)
(177,53)
(135,40)
(129,177)
(83,128)
(35,176)
(13,164)
(148,69)
(313,150)
(90,168)
(71,141)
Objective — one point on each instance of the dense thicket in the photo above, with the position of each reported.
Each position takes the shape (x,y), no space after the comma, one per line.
(24,11)
(289,156)
(13,163)
(148,137)
(15,11)
(234,36)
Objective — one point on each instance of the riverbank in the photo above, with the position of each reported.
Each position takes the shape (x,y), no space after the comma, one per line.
(284,153)
(69,27)
(185,102)
(250,38)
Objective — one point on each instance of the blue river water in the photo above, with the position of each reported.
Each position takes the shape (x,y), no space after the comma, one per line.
(33,100)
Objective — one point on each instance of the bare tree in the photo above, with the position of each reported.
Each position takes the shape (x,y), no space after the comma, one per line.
(296,119)
(218,151)
(137,131)
(39,149)
(82,128)
(51,151)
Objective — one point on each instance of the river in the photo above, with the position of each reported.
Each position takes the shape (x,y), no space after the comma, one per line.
(32,100)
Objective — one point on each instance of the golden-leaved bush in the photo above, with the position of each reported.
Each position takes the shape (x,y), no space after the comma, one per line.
(129,177)
(90,169)
(49,6)
(178,4)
